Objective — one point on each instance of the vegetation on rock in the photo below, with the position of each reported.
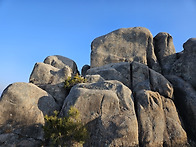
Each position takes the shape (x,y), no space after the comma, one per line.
(71,81)
(65,131)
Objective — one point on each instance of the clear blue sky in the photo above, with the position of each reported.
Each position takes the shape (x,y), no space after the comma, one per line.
(31,30)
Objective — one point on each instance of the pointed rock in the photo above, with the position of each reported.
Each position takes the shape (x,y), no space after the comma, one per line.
(165,51)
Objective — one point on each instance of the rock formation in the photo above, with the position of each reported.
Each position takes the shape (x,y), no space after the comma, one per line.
(124,45)
(138,92)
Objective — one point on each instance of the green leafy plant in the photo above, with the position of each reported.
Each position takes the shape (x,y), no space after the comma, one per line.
(66,130)
(71,81)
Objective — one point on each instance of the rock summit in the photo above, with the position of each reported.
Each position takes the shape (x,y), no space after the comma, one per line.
(138,92)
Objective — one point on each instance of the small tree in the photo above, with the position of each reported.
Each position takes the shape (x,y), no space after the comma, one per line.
(65,131)
(71,81)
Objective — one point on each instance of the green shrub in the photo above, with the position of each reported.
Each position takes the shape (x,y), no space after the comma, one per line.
(71,81)
(65,131)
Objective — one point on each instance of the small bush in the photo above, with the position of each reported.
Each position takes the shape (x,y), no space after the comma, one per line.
(71,81)
(65,131)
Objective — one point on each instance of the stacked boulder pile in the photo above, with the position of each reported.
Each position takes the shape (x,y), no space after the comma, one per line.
(139,92)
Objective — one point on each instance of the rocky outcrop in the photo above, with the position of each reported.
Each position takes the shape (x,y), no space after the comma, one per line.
(124,45)
(136,76)
(138,92)
(22,110)
(144,78)
(185,66)
(60,62)
(108,110)
(164,51)
(185,100)
(51,79)
(114,71)
(158,121)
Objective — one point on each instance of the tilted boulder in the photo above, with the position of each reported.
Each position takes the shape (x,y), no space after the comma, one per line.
(22,110)
(107,108)
(158,121)
(185,66)
(124,45)
(185,100)
(51,79)
(61,62)
(165,51)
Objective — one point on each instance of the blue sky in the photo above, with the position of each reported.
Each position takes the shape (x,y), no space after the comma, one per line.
(31,30)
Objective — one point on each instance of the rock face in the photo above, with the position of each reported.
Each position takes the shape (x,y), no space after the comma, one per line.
(136,76)
(185,100)
(138,92)
(108,110)
(51,79)
(61,62)
(124,45)
(185,66)
(22,110)
(144,78)
(114,71)
(94,78)
(158,121)
(165,51)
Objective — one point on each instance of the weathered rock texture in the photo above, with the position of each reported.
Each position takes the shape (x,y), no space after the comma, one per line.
(158,120)
(139,92)
(185,66)
(51,79)
(114,71)
(185,100)
(148,79)
(108,110)
(136,76)
(94,78)
(165,51)
(61,62)
(22,110)
(124,45)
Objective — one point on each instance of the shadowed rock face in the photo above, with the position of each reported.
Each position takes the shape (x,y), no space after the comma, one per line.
(185,100)
(158,120)
(185,66)
(22,110)
(139,92)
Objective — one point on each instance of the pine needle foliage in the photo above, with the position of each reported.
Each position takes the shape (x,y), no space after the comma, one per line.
(71,81)
(66,130)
